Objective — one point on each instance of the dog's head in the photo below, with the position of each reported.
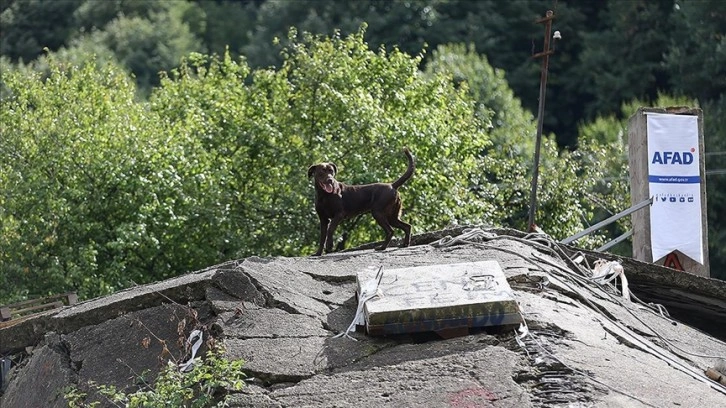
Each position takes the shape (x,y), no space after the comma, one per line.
(324,176)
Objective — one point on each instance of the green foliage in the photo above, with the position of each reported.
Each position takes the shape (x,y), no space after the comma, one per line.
(400,23)
(144,36)
(92,14)
(101,186)
(29,26)
(676,46)
(149,45)
(207,385)
(332,99)
(696,58)
(512,127)
(569,192)
(633,71)
(567,196)
(95,195)
(225,25)
(100,191)
(603,150)
(63,141)
(714,131)
(507,34)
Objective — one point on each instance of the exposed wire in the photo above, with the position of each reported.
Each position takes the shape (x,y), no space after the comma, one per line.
(577,278)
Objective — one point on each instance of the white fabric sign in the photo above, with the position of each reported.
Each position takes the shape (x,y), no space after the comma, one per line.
(675,185)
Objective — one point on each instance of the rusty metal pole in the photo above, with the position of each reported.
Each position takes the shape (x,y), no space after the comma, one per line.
(547,20)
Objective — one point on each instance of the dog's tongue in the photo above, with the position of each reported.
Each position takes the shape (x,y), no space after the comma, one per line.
(327,187)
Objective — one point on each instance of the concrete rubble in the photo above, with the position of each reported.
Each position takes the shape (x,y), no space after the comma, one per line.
(584,344)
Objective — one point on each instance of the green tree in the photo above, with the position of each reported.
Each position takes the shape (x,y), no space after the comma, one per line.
(96,15)
(145,36)
(512,127)
(29,26)
(100,190)
(696,57)
(399,23)
(714,123)
(226,25)
(54,133)
(333,99)
(623,61)
(570,192)
(147,46)
(95,196)
(504,31)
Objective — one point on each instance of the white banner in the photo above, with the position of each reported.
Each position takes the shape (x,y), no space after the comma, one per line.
(675,185)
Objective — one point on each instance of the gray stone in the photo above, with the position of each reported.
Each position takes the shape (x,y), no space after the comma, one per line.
(270,323)
(586,345)
(471,379)
(116,350)
(51,373)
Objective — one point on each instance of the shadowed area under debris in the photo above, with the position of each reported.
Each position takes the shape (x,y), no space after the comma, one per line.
(583,344)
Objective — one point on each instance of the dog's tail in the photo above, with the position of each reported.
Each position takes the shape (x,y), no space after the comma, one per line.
(409,172)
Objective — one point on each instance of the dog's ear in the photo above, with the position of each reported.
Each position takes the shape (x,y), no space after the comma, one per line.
(335,168)
(311,170)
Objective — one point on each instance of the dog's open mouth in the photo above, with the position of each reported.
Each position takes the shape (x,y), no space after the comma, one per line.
(327,187)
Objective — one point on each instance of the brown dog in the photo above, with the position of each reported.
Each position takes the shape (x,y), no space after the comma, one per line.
(335,202)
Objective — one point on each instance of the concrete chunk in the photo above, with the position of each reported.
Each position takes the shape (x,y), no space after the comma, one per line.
(439,297)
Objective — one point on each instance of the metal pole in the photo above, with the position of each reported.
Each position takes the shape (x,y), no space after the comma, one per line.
(547,20)
(607,221)
(614,242)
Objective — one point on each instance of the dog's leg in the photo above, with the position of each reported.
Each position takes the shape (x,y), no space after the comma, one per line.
(331,229)
(341,243)
(324,222)
(396,222)
(382,220)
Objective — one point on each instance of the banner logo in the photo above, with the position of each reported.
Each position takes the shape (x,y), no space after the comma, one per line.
(673,157)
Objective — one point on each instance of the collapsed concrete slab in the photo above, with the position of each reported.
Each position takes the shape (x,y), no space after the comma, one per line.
(442,298)
(584,343)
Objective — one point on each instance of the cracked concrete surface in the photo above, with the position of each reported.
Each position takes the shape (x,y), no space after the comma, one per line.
(586,347)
